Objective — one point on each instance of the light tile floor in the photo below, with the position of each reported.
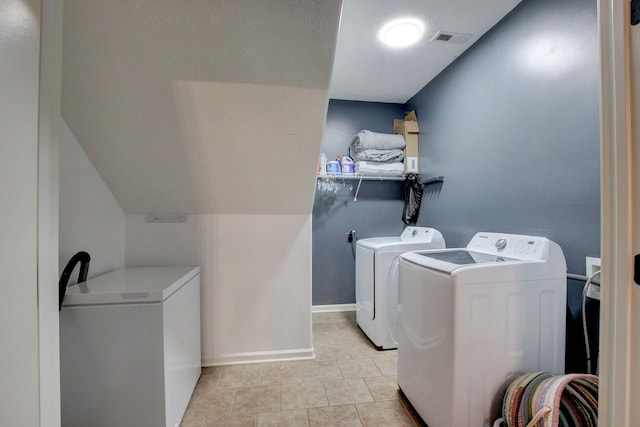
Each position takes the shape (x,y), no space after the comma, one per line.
(350,383)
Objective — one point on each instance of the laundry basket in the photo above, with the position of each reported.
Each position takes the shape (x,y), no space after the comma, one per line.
(543,399)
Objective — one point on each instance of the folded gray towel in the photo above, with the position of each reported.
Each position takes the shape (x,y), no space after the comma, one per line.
(381,169)
(367,140)
(383,156)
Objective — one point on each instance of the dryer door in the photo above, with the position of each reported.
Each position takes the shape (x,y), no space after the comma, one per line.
(365,267)
(392,300)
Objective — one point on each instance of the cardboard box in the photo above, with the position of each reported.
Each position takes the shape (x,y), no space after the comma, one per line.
(408,127)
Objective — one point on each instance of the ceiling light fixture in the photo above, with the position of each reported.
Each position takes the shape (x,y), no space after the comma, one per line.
(401,32)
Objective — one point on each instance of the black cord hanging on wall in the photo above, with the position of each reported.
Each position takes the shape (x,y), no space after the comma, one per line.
(412,198)
(81,257)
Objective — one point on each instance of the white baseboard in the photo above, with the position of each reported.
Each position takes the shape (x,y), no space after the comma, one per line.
(333,307)
(258,357)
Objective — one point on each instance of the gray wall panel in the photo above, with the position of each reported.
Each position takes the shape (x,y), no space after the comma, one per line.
(513,125)
(519,145)
(378,211)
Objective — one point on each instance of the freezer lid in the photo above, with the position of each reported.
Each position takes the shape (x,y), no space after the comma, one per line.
(130,285)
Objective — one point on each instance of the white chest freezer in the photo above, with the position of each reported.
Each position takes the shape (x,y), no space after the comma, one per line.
(130,347)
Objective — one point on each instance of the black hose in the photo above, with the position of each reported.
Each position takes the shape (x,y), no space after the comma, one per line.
(81,257)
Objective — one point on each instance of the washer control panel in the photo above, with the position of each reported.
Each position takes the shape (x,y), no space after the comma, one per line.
(501,244)
(510,245)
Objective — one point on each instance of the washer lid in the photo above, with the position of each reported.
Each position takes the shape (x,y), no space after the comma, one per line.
(451,259)
(130,285)
(464,257)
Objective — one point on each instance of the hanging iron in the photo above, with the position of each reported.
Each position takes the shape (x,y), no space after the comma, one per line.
(412,198)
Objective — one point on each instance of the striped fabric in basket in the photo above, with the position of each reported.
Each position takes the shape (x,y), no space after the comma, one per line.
(542,399)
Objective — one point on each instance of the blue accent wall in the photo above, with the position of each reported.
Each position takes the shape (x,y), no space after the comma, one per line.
(513,126)
(377,212)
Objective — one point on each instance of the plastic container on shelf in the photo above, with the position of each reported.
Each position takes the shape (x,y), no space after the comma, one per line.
(348,166)
(322,164)
(333,167)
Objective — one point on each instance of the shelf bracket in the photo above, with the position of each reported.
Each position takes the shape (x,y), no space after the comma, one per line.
(427,181)
(433,180)
(355,196)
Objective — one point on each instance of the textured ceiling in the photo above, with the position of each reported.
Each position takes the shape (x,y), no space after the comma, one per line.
(144,81)
(366,70)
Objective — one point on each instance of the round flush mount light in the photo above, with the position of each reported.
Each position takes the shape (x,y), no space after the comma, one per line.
(401,32)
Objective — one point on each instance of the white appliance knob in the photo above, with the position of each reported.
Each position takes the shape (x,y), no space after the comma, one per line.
(501,243)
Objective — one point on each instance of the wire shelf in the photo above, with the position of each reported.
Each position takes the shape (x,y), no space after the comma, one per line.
(332,177)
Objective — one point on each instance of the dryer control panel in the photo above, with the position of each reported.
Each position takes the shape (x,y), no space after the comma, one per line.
(417,234)
(510,245)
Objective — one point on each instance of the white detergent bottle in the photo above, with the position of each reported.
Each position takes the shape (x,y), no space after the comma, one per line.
(322,164)
(347,165)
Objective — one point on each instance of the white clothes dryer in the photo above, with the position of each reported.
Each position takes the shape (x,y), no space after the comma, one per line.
(377,285)
(472,318)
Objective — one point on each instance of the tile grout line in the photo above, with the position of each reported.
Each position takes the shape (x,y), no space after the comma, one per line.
(324,387)
(233,402)
(359,416)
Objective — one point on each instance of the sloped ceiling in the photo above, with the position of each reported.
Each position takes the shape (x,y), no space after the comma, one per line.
(218,106)
(201,106)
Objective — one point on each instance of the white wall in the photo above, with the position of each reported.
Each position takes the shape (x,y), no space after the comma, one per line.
(256,280)
(212,143)
(27,154)
(152,244)
(173,101)
(635,108)
(91,219)
(48,198)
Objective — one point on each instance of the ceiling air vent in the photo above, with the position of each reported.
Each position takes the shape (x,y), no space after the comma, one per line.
(451,37)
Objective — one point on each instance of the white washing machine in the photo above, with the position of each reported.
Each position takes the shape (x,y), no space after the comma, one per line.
(376,284)
(472,318)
